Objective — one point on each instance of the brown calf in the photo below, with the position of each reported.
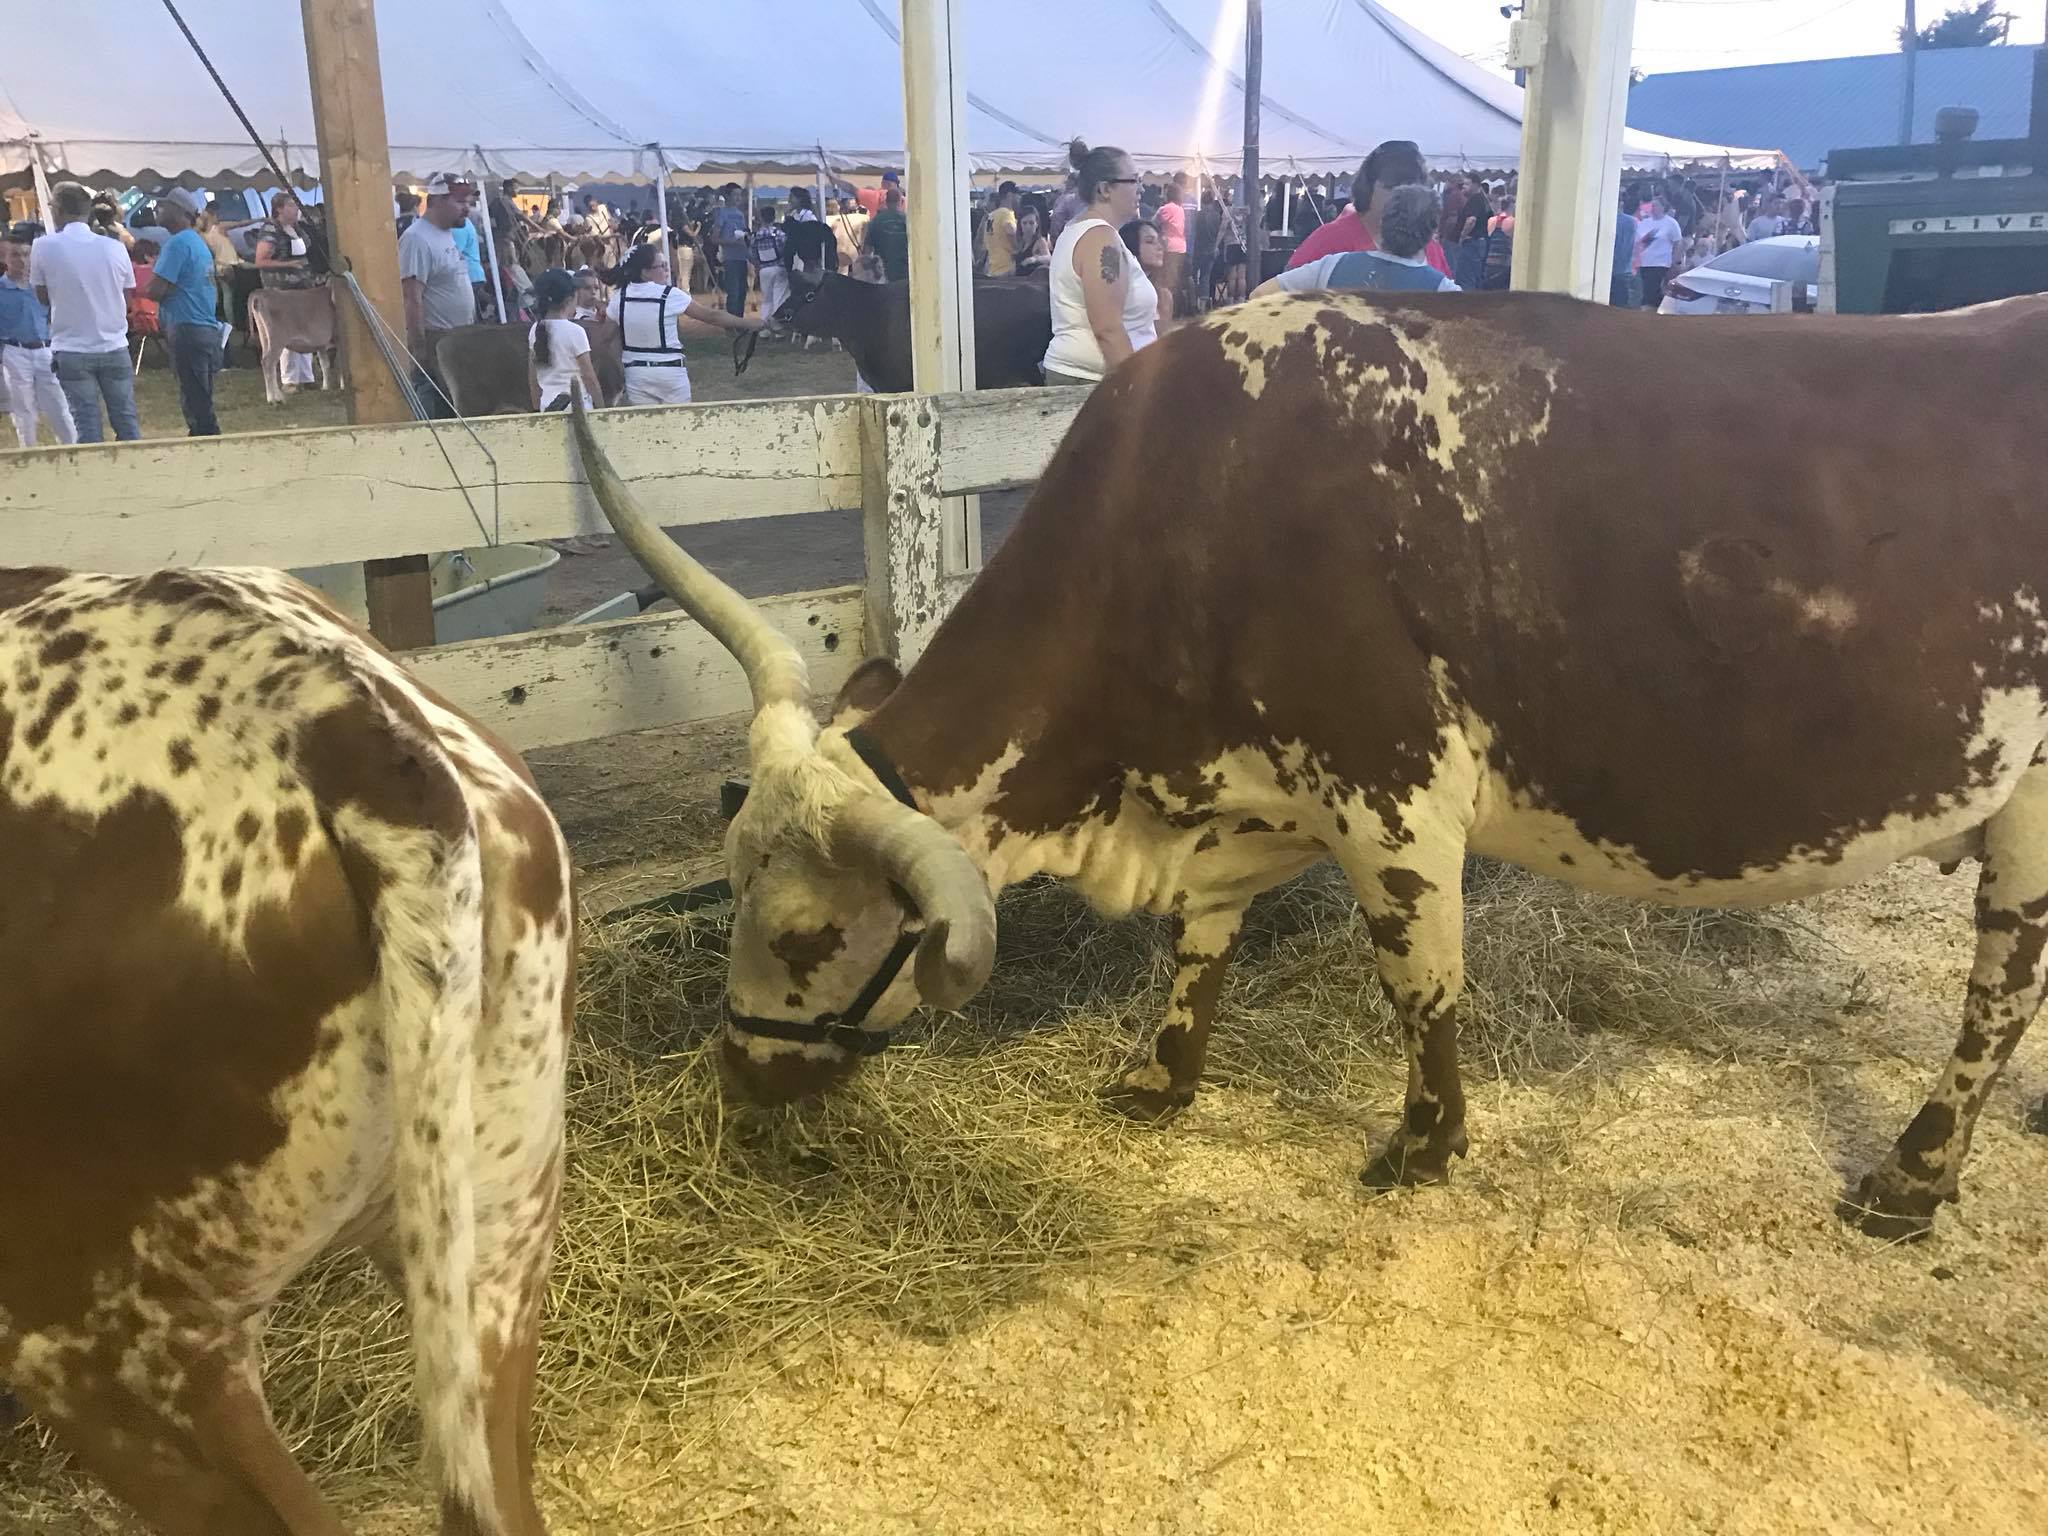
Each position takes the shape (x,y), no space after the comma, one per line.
(292,320)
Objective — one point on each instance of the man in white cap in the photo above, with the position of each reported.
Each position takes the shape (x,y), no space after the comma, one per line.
(438,295)
(187,304)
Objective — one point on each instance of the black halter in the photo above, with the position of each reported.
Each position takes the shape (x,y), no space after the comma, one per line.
(845,1030)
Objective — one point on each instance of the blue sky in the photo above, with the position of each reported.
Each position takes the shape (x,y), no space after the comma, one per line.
(1711,34)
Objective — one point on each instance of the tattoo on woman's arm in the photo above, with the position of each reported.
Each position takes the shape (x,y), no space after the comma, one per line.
(1110,265)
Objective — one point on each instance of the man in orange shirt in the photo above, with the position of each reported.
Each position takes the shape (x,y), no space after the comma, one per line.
(1396,163)
(870,198)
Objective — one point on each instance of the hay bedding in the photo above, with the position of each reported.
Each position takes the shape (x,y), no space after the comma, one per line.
(959,1299)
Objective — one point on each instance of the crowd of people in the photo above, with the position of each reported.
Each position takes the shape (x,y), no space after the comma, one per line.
(1123,258)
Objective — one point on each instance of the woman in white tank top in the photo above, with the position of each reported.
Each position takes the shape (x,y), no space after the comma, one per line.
(1103,307)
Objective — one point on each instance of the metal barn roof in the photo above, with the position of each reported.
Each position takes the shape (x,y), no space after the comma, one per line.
(1814,105)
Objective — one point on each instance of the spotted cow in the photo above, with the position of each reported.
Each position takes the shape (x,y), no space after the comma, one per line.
(289,951)
(1390,579)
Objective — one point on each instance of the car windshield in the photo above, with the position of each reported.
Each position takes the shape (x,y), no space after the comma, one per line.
(1792,263)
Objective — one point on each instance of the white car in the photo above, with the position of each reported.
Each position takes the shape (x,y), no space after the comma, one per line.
(1738,282)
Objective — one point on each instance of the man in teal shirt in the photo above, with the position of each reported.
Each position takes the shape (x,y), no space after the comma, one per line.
(182,285)
(464,235)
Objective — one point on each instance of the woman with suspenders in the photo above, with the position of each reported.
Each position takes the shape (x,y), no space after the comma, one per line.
(648,311)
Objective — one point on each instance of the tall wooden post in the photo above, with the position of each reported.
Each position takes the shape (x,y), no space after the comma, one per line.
(1254,85)
(355,178)
(941,254)
(1577,54)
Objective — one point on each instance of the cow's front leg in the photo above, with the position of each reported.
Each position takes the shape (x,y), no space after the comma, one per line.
(1415,911)
(1898,1198)
(1164,1083)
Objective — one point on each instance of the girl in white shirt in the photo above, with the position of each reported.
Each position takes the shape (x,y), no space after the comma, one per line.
(1103,306)
(557,348)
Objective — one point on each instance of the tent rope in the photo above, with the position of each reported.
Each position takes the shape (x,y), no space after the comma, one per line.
(391,347)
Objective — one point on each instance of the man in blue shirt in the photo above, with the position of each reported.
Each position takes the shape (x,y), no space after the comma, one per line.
(187,303)
(25,357)
(729,226)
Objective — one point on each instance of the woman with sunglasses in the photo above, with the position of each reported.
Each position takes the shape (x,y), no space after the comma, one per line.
(1103,306)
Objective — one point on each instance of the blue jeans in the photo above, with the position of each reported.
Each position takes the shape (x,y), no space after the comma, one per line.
(195,358)
(85,377)
(735,285)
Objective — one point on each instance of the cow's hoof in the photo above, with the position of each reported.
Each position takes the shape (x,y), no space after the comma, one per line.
(1892,1216)
(1136,1097)
(1406,1163)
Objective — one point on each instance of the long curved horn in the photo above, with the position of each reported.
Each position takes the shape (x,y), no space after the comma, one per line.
(775,670)
(959,946)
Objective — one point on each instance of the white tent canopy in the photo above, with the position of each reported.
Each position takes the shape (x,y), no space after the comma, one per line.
(528,90)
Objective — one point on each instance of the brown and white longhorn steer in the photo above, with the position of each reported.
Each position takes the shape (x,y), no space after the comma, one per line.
(289,952)
(1386,580)
(293,320)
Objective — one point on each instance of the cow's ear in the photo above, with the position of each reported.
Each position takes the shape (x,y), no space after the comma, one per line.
(866,691)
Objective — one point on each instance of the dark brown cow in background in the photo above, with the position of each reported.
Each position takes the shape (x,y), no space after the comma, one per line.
(1012,327)
(1391,579)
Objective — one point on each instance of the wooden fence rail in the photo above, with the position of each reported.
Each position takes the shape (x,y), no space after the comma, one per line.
(344,494)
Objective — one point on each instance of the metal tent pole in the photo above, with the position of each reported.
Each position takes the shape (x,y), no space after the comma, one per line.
(490,236)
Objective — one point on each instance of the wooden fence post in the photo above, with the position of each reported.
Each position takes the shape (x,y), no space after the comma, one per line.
(903,518)
(343,69)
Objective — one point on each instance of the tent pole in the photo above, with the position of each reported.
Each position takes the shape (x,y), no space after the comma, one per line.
(483,203)
(1721,213)
(661,200)
(355,179)
(941,272)
(1254,205)
(820,194)
(1571,146)
(41,174)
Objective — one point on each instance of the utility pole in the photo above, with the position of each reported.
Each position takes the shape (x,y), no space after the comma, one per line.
(355,178)
(1909,44)
(1254,205)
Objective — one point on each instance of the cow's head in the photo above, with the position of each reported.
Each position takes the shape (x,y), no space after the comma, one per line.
(850,906)
(800,308)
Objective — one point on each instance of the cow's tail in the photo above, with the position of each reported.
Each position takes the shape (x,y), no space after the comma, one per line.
(419,845)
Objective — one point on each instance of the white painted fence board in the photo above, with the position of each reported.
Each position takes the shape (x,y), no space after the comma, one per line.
(554,686)
(903,526)
(324,496)
(1001,438)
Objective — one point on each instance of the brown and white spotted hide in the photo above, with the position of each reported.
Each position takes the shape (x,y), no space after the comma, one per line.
(1391,579)
(289,947)
(294,320)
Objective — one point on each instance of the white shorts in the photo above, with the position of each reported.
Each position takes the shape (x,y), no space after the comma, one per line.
(657,386)
(774,291)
